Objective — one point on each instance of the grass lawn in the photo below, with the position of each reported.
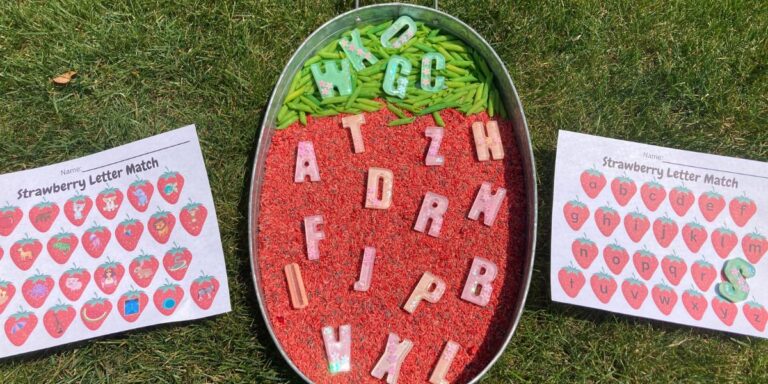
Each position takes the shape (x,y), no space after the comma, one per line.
(690,75)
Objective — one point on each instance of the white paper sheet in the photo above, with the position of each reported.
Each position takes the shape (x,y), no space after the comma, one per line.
(682,288)
(40,257)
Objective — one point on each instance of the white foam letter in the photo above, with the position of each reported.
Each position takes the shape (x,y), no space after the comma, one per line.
(354,123)
(481,274)
(488,204)
(306,163)
(429,288)
(366,271)
(338,350)
(390,362)
(432,208)
(379,177)
(444,363)
(436,134)
(490,142)
(313,235)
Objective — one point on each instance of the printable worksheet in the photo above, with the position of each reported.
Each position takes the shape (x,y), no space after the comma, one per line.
(660,233)
(117,240)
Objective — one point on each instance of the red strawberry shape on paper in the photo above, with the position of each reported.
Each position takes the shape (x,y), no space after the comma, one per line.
(584,251)
(95,240)
(169,186)
(7,291)
(723,241)
(140,194)
(77,208)
(634,292)
(604,286)
(571,280)
(674,268)
(703,274)
(143,269)
(108,202)
(592,181)
(167,298)
(724,310)
(19,326)
(681,199)
(73,282)
(1,253)
(636,225)
(742,209)
(132,304)
(664,297)
(695,303)
(10,217)
(653,194)
(645,263)
(755,314)
(711,204)
(623,189)
(754,246)
(24,252)
(607,219)
(616,257)
(108,276)
(95,311)
(36,289)
(193,215)
(576,214)
(61,246)
(161,225)
(203,290)
(176,261)
(58,318)
(43,214)
(694,236)
(665,230)
(128,233)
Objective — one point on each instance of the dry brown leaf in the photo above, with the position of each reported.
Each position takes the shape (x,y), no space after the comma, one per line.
(64,78)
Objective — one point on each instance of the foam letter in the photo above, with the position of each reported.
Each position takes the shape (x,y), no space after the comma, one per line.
(429,288)
(444,363)
(397,64)
(426,71)
(332,78)
(432,208)
(366,271)
(486,203)
(355,50)
(436,134)
(313,235)
(379,178)
(490,142)
(392,359)
(306,163)
(389,33)
(338,350)
(354,123)
(296,286)
(481,274)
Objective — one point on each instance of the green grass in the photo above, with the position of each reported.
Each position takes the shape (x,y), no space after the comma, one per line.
(688,75)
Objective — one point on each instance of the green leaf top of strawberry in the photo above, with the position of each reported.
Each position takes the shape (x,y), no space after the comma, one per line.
(673,257)
(38,277)
(585,240)
(61,307)
(142,257)
(132,294)
(22,314)
(8,208)
(634,281)
(139,183)
(193,204)
(4,283)
(713,195)
(695,225)
(108,191)
(177,249)
(682,189)
(109,264)
(604,276)
(625,179)
(77,197)
(129,221)
(666,219)
(693,292)
(756,235)
(160,214)
(44,204)
(645,252)
(724,230)
(743,199)
(96,228)
(96,300)
(663,286)
(753,304)
(594,172)
(575,203)
(75,270)
(168,287)
(63,235)
(169,174)
(637,215)
(653,185)
(203,279)
(703,263)
(607,209)
(616,247)
(26,240)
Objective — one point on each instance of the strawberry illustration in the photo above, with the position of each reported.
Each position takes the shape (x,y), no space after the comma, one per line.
(653,194)
(77,208)
(571,279)
(132,304)
(755,314)
(584,251)
(645,263)
(36,289)
(754,246)
(73,282)
(576,213)
(674,268)
(664,297)
(604,286)
(203,290)
(43,214)
(681,199)
(193,215)
(623,189)
(95,311)
(108,202)
(636,225)
(128,233)
(616,257)
(703,274)
(143,269)
(61,246)
(742,208)
(58,318)
(10,217)
(592,181)
(167,298)
(108,276)
(7,290)
(24,252)
(695,303)
(694,236)
(664,229)
(634,292)
(169,185)
(19,326)
(140,193)
(711,204)
(724,310)
(723,241)
(176,261)
(95,240)
(607,219)
(161,225)
(1,253)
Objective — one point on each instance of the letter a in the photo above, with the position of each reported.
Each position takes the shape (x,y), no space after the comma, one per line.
(306,163)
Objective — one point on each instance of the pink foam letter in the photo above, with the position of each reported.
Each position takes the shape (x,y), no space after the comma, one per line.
(366,271)
(429,288)
(354,123)
(306,163)
(444,363)
(392,359)
(436,134)
(313,235)
(486,203)
(432,208)
(379,178)
(490,142)
(338,350)
(478,288)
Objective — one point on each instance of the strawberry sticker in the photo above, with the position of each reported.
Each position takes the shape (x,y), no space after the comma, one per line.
(203,290)
(571,279)
(10,217)
(636,225)
(7,290)
(61,246)
(703,274)
(108,276)
(616,257)
(623,189)
(193,215)
(755,314)
(43,214)
(634,292)
(711,204)
(128,233)
(24,252)
(645,263)
(664,297)
(73,282)
(58,318)
(723,241)
(95,311)
(176,261)
(742,208)
(607,219)
(724,310)
(576,213)
(695,303)
(143,269)
(19,326)
(674,268)
(754,246)
(36,289)
(694,236)
(681,199)
(76,209)
(653,194)
(169,185)
(131,304)
(167,298)
(584,251)
(664,230)
(161,225)
(592,181)
(140,193)
(108,202)
(603,285)
(95,240)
